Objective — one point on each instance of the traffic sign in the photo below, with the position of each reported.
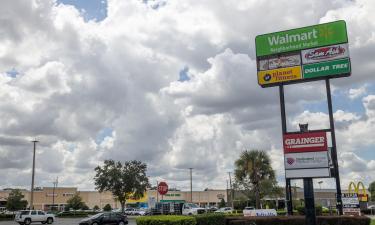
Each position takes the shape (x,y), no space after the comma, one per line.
(163,188)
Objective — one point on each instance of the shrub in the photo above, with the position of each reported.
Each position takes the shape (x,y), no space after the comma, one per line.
(166,220)
(299,220)
(318,210)
(107,207)
(210,219)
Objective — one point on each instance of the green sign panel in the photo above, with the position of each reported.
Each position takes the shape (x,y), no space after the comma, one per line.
(329,68)
(301,38)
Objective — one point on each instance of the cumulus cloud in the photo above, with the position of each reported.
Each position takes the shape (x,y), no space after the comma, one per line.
(92,90)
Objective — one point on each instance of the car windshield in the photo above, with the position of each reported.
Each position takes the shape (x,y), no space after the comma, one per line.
(97,215)
(192,205)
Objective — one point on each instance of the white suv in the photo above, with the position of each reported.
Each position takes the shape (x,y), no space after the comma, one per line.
(30,216)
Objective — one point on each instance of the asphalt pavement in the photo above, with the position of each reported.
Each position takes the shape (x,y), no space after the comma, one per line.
(63,221)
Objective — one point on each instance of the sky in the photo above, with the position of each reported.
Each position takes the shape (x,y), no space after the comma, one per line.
(170,83)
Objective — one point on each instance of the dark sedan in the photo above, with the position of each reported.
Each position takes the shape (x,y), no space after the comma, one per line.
(106,218)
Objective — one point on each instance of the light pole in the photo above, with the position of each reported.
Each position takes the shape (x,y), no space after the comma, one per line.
(191,184)
(32,177)
(231,190)
(53,192)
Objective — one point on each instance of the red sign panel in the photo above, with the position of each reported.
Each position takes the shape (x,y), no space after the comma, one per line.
(163,188)
(305,142)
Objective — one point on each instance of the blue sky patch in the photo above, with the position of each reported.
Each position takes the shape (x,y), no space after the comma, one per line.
(105,132)
(90,10)
(183,75)
(12,73)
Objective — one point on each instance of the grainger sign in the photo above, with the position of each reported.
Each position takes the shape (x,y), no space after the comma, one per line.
(306,155)
(305,142)
(303,54)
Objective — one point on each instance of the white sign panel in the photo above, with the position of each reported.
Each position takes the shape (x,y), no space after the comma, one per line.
(306,173)
(325,53)
(306,160)
(281,61)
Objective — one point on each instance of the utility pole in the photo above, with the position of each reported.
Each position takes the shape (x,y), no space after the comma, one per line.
(231,190)
(53,192)
(157,191)
(32,177)
(191,184)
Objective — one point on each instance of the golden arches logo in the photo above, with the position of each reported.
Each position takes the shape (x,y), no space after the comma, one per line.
(353,188)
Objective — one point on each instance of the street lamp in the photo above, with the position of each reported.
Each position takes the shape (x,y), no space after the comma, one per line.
(320,183)
(191,184)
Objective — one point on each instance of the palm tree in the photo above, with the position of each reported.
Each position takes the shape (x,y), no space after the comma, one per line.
(254,167)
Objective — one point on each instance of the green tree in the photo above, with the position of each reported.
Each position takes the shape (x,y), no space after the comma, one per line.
(15,200)
(222,203)
(107,208)
(371,189)
(254,174)
(75,202)
(123,180)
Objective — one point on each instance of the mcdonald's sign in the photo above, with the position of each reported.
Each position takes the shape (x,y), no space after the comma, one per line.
(353,188)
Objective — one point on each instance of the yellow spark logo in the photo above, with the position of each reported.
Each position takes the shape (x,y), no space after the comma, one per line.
(326,32)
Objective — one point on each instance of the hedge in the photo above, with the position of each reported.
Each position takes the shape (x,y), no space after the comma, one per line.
(166,220)
(299,220)
(4,217)
(210,219)
(73,214)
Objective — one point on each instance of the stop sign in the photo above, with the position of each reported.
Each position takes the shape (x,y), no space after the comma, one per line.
(163,188)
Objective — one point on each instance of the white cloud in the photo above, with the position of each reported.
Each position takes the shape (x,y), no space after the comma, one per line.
(77,78)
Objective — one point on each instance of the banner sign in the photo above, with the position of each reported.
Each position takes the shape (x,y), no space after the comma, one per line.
(321,51)
(306,160)
(305,142)
(325,53)
(301,38)
(336,67)
(280,61)
(279,75)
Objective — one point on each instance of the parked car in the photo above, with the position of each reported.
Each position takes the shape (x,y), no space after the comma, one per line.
(129,211)
(30,216)
(192,209)
(105,218)
(224,210)
(212,209)
(371,207)
(139,212)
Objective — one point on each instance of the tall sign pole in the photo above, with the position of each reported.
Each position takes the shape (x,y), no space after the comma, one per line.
(318,52)
(334,150)
(32,177)
(288,188)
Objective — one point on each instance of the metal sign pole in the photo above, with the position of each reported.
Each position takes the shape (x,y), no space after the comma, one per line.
(288,188)
(334,150)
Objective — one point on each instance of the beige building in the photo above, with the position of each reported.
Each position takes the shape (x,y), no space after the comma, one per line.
(58,197)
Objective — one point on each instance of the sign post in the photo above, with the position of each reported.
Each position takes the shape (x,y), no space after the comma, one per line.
(318,52)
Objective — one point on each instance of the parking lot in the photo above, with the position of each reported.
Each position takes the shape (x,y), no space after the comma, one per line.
(62,221)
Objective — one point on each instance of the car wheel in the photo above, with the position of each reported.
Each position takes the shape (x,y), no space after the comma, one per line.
(94,223)
(27,221)
(121,223)
(43,222)
(49,220)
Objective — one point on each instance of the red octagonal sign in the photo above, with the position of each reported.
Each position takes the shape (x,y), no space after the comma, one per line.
(163,188)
